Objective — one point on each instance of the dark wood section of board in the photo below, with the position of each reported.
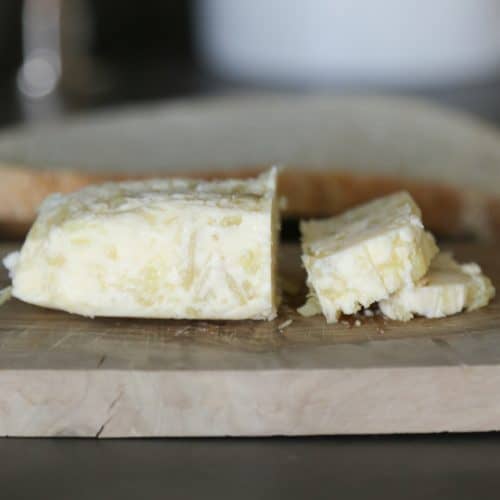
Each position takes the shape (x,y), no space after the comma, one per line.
(32,337)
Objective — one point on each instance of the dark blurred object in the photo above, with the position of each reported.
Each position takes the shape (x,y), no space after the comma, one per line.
(141,30)
(125,50)
(10,38)
(80,54)
(10,58)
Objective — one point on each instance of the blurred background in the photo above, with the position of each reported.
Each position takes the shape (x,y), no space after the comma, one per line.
(59,57)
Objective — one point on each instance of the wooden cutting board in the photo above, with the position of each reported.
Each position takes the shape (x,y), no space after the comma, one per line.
(64,375)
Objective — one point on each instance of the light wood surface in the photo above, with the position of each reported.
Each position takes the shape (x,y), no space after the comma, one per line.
(62,374)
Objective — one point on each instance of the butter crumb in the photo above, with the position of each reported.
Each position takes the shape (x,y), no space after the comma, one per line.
(285,324)
(5,295)
(310,308)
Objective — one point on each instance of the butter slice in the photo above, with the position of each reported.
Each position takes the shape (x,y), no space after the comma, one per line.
(155,249)
(364,255)
(448,288)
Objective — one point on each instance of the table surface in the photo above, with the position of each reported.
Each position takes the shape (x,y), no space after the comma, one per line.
(439,466)
(404,467)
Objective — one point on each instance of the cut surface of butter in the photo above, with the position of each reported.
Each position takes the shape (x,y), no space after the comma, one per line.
(447,288)
(156,249)
(364,255)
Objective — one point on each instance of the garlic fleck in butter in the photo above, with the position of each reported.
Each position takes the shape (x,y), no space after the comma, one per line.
(158,249)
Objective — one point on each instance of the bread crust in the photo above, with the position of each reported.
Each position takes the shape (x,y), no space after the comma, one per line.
(447,211)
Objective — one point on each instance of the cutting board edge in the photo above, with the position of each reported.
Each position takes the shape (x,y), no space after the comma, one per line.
(113,404)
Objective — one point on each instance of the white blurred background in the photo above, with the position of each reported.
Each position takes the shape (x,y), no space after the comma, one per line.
(357,42)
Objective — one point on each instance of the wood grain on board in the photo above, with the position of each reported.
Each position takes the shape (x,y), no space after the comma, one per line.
(62,374)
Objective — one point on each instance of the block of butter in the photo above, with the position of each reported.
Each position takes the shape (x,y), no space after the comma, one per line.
(364,255)
(446,289)
(155,249)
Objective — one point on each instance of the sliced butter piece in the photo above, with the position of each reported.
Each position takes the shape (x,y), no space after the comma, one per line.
(364,255)
(155,249)
(448,288)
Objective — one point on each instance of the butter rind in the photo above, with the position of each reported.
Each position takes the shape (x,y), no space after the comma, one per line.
(365,254)
(448,288)
(164,248)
